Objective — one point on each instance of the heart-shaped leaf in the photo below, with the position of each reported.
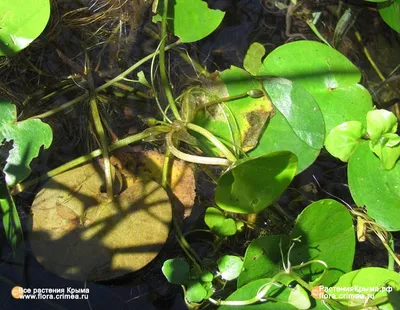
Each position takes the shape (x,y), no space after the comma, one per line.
(27,136)
(190,20)
(219,224)
(195,292)
(376,188)
(380,122)
(230,266)
(252,61)
(253,184)
(343,139)
(327,75)
(387,153)
(21,22)
(176,270)
(325,229)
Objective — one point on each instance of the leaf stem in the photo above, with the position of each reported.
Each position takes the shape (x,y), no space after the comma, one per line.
(85,158)
(193,158)
(105,85)
(190,253)
(213,139)
(163,72)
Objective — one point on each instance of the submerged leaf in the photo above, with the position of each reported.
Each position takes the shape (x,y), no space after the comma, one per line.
(77,235)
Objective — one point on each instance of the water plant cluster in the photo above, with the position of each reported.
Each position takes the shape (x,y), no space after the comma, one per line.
(252,129)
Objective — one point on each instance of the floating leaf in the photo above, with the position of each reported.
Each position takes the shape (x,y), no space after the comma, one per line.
(368,284)
(230,267)
(387,148)
(376,188)
(380,122)
(195,292)
(279,127)
(28,136)
(214,217)
(327,75)
(343,139)
(253,184)
(327,234)
(76,234)
(333,243)
(250,291)
(182,13)
(218,223)
(263,258)
(298,118)
(239,121)
(390,13)
(176,270)
(21,22)
(253,59)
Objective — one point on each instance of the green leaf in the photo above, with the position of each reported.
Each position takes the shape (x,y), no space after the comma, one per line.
(252,61)
(21,22)
(334,244)
(298,297)
(390,13)
(230,267)
(387,154)
(239,225)
(263,258)
(374,281)
(300,109)
(253,184)
(297,117)
(190,20)
(226,229)
(238,122)
(251,290)
(214,217)
(376,188)
(176,270)
(218,223)
(327,75)
(327,234)
(279,127)
(11,223)
(195,292)
(28,136)
(343,139)
(380,122)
